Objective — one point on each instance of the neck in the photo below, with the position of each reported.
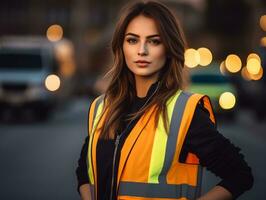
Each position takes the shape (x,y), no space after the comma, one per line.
(143,85)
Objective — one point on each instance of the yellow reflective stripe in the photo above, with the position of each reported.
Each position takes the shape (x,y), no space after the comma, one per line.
(159,148)
(94,125)
(160,142)
(90,170)
(98,115)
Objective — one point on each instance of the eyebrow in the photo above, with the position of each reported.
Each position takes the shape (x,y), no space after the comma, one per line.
(150,36)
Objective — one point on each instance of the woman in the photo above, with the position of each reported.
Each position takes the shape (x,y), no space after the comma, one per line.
(148,139)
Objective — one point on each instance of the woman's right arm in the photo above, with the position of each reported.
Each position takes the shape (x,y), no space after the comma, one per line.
(82,172)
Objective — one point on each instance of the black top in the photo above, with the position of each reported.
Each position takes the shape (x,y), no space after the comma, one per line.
(214,151)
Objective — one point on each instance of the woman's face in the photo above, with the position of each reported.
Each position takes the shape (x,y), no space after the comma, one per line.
(143,49)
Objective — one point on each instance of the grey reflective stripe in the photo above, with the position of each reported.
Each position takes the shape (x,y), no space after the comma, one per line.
(153,190)
(98,102)
(92,191)
(173,134)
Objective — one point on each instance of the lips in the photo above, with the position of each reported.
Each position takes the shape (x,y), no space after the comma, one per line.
(142,63)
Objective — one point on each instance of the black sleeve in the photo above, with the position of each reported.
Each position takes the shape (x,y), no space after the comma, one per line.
(82,168)
(81,171)
(217,153)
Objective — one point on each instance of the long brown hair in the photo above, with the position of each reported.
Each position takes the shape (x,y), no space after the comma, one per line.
(121,90)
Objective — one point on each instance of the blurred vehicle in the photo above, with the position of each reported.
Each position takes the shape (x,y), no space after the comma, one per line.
(210,81)
(253,97)
(34,74)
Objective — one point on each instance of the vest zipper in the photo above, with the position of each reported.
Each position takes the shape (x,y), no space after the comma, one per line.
(113,169)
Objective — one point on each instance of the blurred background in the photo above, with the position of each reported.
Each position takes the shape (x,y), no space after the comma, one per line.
(53,55)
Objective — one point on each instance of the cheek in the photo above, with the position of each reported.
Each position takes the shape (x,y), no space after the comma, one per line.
(160,55)
(128,52)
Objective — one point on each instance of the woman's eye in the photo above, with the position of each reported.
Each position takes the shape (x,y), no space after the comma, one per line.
(155,41)
(131,40)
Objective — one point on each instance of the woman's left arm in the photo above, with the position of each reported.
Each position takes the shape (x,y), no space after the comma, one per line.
(219,156)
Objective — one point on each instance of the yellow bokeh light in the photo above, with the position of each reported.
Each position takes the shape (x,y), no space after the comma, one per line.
(254,55)
(227,100)
(192,58)
(54,33)
(222,68)
(253,66)
(258,76)
(52,82)
(263,22)
(245,74)
(205,56)
(233,63)
(263,41)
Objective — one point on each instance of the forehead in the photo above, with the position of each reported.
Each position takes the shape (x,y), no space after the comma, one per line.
(142,26)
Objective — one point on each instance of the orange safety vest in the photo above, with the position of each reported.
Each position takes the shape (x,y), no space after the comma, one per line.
(149,166)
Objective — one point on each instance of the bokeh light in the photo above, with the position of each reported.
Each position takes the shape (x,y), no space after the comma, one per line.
(245,74)
(52,82)
(263,41)
(258,76)
(205,56)
(263,22)
(192,58)
(254,55)
(222,68)
(54,33)
(227,100)
(233,63)
(248,76)
(253,66)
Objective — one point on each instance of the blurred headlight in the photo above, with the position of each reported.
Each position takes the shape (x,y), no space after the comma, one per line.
(52,82)
(227,100)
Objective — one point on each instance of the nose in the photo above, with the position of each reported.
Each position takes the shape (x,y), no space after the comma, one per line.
(143,50)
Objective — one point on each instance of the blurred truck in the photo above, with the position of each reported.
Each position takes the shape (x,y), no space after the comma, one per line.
(35,74)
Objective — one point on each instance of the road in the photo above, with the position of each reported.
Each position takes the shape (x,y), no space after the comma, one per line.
(38,159)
